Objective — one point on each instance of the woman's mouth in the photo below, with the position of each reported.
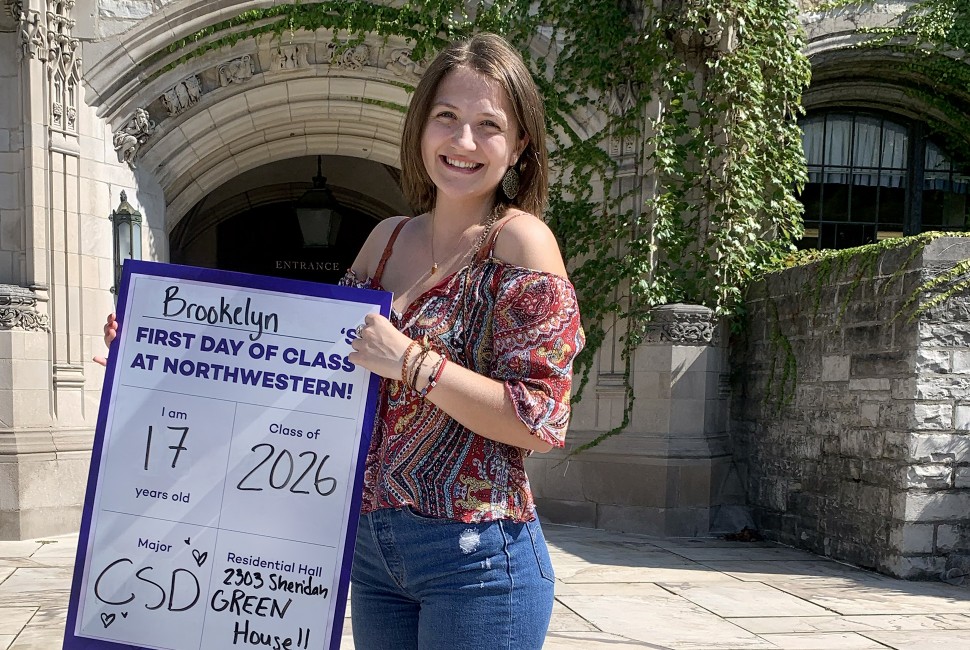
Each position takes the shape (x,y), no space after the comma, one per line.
(461,164)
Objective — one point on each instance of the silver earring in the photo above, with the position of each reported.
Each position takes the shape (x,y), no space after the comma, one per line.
(510,183)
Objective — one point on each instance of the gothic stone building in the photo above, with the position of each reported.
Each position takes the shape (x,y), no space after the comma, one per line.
(100,123)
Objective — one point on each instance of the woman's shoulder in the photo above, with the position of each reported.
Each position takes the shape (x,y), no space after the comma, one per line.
(526,241)
(373,249)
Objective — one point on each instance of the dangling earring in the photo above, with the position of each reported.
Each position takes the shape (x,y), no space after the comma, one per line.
(510,183)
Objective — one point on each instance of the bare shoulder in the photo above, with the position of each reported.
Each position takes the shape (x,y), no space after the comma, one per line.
(526,241)
(365,265)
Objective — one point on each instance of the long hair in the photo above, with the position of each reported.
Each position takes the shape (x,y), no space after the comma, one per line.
(491,56)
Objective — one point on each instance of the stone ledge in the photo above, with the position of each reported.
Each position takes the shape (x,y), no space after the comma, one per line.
(19,442)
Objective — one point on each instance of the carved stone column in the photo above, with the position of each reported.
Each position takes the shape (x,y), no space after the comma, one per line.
(44,438)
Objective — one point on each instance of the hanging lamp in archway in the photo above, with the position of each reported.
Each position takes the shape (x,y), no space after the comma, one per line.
(318,213)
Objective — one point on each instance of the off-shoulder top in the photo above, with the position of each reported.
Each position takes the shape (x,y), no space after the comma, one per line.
(517,325)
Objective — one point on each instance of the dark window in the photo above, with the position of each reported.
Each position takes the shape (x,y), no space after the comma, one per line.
(862,173)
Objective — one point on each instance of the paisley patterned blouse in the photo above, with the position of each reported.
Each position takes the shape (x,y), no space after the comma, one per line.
(516,325)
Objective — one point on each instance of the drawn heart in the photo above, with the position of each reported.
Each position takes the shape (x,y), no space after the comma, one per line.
(200,558)
(107,619)
(188,540)
(124,614)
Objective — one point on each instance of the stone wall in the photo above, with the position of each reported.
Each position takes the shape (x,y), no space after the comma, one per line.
(11,162)
(850,421)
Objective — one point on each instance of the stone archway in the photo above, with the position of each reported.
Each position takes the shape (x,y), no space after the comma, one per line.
(249,223)
(196,125)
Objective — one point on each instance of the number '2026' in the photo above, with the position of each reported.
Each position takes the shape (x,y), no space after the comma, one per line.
(279,475)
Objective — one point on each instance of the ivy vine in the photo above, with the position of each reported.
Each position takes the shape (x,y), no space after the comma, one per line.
(711,93)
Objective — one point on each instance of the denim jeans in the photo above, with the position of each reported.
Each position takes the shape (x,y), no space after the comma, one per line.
(421,583)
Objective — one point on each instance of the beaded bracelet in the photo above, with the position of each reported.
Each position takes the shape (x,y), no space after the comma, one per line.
(434,376)
(404,363)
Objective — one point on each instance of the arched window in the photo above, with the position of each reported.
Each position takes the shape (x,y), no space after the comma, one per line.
(871,178)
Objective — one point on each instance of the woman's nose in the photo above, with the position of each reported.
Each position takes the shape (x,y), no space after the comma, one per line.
(464,136)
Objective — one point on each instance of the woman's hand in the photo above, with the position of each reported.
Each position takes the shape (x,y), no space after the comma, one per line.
(380,347)
(110,333)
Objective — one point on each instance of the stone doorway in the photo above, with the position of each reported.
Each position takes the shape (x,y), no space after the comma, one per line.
(249,223)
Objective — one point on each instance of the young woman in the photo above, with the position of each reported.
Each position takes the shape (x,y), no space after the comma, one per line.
(477,366)
(476,362)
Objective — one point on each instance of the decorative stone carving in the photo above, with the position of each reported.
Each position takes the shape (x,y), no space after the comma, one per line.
(401,63)
(352,58)
(33,37)
(10,16)
(18,310)
(47,37)
(681,324)
(135,132)
(236,71)
(182,95)
(60,43)
(291,57)
(622,99)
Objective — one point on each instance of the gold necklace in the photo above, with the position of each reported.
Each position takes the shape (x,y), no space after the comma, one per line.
(478,244)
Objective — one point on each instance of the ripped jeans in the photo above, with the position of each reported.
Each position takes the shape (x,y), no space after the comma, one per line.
(421,583)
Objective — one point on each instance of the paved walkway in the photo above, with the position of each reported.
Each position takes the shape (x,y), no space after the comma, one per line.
(620,592)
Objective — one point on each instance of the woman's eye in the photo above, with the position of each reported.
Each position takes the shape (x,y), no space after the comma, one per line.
(447,115)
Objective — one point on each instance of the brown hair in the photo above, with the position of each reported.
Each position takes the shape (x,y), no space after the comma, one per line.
(493,57)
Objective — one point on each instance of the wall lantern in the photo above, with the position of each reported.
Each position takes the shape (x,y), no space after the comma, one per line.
(126,233)
(317,212)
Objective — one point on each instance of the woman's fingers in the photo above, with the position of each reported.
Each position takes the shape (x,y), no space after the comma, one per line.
(110,329)
(379,346)
(110,333)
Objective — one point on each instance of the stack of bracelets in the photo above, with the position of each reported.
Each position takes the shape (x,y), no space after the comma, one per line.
(411,380)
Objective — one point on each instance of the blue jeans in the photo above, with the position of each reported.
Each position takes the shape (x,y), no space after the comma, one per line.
(437,584)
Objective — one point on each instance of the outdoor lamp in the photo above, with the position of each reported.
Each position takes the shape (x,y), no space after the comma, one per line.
(317,212)
(126,233)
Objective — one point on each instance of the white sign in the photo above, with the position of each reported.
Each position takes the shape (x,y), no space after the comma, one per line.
(225,479)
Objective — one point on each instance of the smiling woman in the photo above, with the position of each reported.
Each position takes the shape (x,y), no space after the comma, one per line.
(477,366)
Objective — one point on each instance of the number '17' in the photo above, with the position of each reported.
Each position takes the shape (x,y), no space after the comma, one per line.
(179,448)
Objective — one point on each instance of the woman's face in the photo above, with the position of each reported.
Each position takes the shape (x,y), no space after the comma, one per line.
(471,136)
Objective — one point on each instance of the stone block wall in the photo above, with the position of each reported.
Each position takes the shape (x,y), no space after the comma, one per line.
(850,420)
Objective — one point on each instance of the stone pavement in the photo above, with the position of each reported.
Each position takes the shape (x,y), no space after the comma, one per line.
(623,592)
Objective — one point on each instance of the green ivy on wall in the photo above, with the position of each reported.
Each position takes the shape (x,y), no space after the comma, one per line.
(711,92)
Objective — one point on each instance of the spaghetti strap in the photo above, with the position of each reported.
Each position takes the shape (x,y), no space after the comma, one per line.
(486,251)
(376,280)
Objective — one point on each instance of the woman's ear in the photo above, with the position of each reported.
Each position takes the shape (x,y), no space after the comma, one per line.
(520,148)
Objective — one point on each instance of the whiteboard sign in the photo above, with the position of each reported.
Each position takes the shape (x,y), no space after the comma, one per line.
(224,490)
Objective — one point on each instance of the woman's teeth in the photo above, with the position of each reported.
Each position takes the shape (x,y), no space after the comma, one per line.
(461,164)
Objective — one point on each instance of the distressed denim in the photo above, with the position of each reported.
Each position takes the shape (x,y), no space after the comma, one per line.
(421,583)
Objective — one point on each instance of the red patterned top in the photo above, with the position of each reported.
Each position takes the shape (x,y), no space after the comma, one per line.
(513,324)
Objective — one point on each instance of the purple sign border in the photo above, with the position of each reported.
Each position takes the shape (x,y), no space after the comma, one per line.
(381,299)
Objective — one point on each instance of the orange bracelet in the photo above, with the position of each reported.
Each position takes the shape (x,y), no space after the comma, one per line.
(404,363)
